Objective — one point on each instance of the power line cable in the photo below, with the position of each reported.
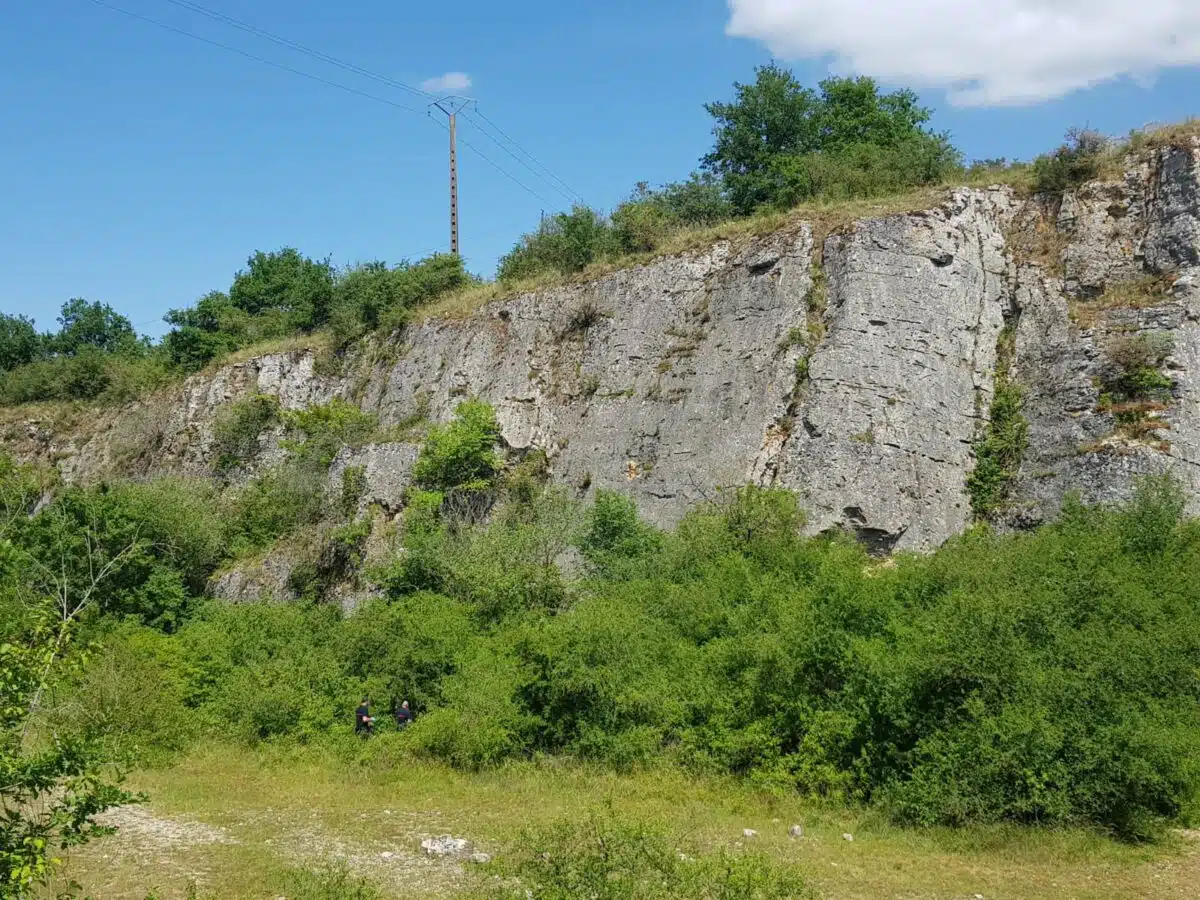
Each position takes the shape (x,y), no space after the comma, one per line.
(299,48)
(496,166)
(536,161)
(251,56)
(570,195)
(382,79)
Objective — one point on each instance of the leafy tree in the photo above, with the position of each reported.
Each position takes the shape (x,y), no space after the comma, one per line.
(96,326)
(20,344)
(776,118)
(53,783)
(614,531)
(287,282)
(201,333)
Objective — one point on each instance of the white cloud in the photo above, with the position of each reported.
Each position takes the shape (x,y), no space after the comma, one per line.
(982,52)
(450,83)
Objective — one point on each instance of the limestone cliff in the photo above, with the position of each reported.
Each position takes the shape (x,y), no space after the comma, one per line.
(856,368)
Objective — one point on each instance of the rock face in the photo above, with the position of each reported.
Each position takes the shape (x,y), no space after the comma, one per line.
(915,305)
(856,368)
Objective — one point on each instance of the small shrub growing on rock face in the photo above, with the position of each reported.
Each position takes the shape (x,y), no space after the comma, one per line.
(462,454)
(239,426)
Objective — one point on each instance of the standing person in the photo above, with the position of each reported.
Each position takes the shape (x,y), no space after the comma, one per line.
(403,715)
(363,722)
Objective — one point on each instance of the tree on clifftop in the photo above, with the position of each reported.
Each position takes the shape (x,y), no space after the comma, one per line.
(779,142)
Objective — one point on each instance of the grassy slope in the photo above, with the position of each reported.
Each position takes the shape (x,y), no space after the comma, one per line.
(286,812)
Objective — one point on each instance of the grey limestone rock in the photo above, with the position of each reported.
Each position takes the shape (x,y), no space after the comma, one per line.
(674,379)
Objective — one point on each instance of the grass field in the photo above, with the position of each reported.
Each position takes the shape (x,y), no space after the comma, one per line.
(234,824)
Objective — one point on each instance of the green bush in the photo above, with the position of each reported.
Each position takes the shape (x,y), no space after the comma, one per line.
(604,858)
(286,282)
(1046,677)
(326,429)
(999,451)
(239,426)
(88,375)
(564,243)
(372,296)
(272,505)
(1075,162)
(20,344)
(462,454)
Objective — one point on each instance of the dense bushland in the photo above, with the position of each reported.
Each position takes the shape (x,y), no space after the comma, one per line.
(1048,677)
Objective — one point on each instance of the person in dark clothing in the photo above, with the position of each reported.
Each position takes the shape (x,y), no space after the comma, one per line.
(403,715)
(364,724)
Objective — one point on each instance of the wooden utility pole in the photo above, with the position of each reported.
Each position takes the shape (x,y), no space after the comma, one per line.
(454,183)
(452,106)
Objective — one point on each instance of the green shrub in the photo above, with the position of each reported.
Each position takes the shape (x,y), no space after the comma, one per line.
(779,142)
(274,504)
(206,331)
(1047,677)
(462,454)
(88,375)
(604,858)
(285,282)
(564,243)
(239,426)
(354,485)
(483,721)
(372,296)
(1075,162)
(20,344)
(155,543)
(615,532)
(998,453)
(327,428)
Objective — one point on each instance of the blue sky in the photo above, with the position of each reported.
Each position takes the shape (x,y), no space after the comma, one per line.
(141,168)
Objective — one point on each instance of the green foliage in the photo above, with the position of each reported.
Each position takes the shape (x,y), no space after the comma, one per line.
(89,375)
(208,330)
(1139,359)
(615,532)
(605,858)
(96,326)
(372,296)
(998,452)
(354,485)
(779,142)
(327,428)
(20,344)
(274,504)
(288,283)
(54,782)
(564,243)
(155,543)
(1046,677)
(239,426)
(1076,161)
(461,455)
